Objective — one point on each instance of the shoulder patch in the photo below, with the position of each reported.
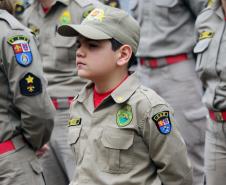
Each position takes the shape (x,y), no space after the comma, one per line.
(74,122)
(124,115)
(30,85)
(162,122)
(21,49)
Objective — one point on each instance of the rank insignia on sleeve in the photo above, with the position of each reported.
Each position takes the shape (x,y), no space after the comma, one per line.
(162,122)
(74,122)
(30,85)
(21,49)
(124,115)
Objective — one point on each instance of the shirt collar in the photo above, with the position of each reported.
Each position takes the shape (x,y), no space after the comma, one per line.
(119,95)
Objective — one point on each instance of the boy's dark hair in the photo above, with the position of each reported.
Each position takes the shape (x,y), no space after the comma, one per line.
(116,45)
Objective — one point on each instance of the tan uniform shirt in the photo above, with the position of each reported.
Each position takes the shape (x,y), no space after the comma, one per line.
(167,26)
(25,107)
(210,64)
(58,52)
(119,143)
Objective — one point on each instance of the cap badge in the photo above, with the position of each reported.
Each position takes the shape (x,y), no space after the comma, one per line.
(96,14)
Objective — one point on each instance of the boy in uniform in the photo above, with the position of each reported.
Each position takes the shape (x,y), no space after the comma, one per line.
(120,132)
(58,59)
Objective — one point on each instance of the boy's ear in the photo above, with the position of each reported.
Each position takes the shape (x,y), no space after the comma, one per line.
(124,54)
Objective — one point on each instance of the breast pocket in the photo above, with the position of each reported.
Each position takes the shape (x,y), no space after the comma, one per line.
(202,56)
(73,139)
(64,53)
(115,154)
(163,12)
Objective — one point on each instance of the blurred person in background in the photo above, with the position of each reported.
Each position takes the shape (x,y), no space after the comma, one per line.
(211,68)
(167,65)
(26,110)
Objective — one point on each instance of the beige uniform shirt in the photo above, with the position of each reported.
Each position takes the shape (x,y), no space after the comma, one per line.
(211,48)
(167,26)
(25,107)
(120,143)
(58,52)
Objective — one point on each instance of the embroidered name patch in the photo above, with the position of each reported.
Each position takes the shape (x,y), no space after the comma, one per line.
(205,35)
(30,85)
(124,116)
(74,122)
(21,49)
(162,122)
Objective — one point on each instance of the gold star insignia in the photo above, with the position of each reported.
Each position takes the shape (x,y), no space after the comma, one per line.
(29,79)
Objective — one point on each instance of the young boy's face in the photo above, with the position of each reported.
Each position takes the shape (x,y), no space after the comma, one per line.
(95,59)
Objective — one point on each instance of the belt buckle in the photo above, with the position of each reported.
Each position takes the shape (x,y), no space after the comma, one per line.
(219,116)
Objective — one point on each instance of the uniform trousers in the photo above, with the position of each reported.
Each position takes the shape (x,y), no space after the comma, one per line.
(179,85)
(20,167)
(215,153)
(58,162)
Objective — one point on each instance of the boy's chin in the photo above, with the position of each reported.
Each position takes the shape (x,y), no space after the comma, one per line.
(84,76)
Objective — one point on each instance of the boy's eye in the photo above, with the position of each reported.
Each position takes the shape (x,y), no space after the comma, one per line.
(93,45)
(77,45)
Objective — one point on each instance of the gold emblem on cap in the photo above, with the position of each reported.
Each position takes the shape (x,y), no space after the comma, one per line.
(96,14)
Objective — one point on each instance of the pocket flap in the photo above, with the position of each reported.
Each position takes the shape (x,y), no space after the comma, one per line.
(196,114)
(202,45)
(36,166)
(117,138)
(74,133)
(166,3)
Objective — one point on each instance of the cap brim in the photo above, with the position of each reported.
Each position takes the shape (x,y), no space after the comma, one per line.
(84,30)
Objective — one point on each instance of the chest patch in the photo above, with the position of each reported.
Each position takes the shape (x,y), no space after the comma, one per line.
(124,115)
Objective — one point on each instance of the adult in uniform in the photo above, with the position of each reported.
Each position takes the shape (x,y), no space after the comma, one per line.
(26,110)
(121,132)
(58,58)
(167,65)
(211,68)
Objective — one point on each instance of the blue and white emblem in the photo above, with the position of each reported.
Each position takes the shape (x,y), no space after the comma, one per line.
(162,122)
(21,49)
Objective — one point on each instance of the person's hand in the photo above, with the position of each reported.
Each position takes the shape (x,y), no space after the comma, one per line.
(40,152)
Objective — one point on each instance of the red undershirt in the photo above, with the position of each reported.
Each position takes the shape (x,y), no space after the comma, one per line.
(99,97)
(45,10)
